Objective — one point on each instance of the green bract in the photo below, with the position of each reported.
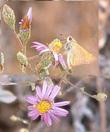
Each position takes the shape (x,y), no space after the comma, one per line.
(22,59)
(24,36)
(9,16)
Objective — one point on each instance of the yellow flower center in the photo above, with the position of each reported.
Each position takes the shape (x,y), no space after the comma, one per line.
(44,106)
(56,45)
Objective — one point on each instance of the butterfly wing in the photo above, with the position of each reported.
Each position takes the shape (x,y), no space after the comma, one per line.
(78,55)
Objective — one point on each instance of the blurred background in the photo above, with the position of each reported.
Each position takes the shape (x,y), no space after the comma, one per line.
(89,23)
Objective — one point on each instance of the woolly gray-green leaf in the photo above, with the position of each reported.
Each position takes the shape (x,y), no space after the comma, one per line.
(9,16)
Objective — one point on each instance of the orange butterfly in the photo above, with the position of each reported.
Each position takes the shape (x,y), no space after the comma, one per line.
(76,55)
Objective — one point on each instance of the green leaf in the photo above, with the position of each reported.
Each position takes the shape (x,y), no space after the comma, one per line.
(22,59)
(9,16)
(46,61)
(43,73)
(33,86)
(6,96)
(24,36)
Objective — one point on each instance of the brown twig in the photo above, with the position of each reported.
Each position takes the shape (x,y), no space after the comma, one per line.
(76,86)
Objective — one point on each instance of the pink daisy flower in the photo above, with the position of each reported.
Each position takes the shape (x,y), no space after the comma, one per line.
(42,104)
(54,47)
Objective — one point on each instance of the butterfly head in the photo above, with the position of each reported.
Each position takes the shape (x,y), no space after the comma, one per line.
(70,42)
(70,39)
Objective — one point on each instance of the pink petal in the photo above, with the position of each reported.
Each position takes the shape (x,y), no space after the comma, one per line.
(33,114)
(29,14)
(60,112)
(40,47)
(55,56)
(36,44)
(53,117)
(45,50)
(62,61)
(49,90)
(41,50)
(31,99)
(47,119)
(44,88)
(34,117)
(63,103)
(30,107)
(55,91)
(38,92)
(20,23)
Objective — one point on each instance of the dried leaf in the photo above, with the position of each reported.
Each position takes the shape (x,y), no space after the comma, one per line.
(100,97)
(1,62)
(9,16)
(18,119)
(6,96)
(24,130)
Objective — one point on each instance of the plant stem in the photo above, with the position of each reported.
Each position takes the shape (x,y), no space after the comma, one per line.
(63,78)
(29,126)
(32,57)
(25,49)
(20,43)
(76,86)
(103,122)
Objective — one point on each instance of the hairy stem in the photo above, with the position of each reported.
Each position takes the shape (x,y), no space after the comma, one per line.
(20,43)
